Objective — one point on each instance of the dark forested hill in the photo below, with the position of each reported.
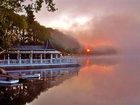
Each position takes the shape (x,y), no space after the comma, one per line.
(64,42)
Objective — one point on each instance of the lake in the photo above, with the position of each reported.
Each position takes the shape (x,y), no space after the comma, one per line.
(98,81)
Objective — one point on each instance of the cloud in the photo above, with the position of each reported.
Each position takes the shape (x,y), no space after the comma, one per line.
(113,30)
(90,8)
(111,22)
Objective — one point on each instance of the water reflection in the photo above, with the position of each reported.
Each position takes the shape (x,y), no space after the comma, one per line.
(101,61)
(100,81)
(20,94)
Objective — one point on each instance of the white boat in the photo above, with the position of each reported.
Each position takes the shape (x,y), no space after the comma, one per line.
(35,56)
(30,75)
(9,81)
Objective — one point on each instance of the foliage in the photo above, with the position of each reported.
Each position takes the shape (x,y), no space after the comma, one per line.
(13,26)
(20,5)
(29,6)
(41,32)
(36,34)
(64,42)
(10,26)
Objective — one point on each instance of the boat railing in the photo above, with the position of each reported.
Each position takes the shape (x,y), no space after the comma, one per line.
(38,61)
(46,61)
(3,62)
(13,61)
(56,61)
(25,61)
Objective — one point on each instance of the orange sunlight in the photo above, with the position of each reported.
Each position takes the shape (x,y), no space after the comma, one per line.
(88,50)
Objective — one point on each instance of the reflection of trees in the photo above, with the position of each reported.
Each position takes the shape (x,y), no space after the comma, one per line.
(28,91)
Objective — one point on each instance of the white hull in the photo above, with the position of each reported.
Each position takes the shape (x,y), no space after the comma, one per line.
(9,81)
(30,76)
(37,62)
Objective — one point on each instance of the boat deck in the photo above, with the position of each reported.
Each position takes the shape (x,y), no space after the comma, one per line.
(13,63)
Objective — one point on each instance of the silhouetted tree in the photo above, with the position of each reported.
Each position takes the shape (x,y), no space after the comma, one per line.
(12,24)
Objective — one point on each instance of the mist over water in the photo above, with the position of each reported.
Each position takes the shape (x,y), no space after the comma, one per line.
(120,32)
(107,23)
(99,25)
(100,81)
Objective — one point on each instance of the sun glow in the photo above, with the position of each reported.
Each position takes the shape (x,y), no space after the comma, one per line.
(88,50)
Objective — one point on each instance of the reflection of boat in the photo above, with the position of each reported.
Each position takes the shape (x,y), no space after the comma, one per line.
(30,75)
(27,91)
(42,73)
(9,81)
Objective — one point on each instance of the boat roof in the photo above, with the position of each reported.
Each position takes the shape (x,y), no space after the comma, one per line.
(32,48)
(47,47)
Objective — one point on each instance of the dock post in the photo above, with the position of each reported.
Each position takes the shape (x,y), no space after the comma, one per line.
(51,58)
(31,58)
(19,58)
(41,58)
(8,59)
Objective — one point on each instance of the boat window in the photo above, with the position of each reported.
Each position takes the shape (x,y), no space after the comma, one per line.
(48,56)
(24,56)
(54,55)
(36,56)
(13,56)
(59,55)
(1,56)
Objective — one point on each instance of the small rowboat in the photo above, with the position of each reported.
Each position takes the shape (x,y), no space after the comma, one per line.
(9,81)
(30,75)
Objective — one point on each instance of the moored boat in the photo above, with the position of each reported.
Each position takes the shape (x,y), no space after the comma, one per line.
(35,56)
(30,75)
(9,81)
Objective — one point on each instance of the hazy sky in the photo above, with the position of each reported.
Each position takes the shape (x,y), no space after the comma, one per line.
(97,22)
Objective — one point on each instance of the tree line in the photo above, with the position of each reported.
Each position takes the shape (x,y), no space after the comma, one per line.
(18,29)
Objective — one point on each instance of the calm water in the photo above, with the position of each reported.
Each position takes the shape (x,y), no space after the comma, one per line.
(100,81)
